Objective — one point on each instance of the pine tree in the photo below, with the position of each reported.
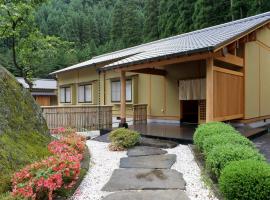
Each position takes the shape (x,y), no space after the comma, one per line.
(117,21)
(151,12)
(132,25)
(186,9)
(259,6)
(169,15)
(211,12)
(239,9)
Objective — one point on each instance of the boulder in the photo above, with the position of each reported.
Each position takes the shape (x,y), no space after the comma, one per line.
(23,131)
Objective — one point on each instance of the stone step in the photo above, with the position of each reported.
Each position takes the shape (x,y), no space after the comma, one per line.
(158,143)
(148,195)
(145,151)
(149,162)
(145,179)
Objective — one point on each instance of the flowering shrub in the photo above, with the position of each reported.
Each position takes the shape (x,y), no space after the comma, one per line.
(62,131)
(61,170)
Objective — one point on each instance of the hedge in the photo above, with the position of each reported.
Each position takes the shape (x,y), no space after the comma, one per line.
(124,138)
(244,180)
(212,128)
(219,139)
(222,155)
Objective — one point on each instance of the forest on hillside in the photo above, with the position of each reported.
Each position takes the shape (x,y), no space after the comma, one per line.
(55,34)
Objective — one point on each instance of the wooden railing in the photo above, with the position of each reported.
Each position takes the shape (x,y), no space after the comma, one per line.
(139,113)
(78,117)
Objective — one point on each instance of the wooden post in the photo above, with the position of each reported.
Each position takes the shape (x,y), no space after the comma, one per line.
(209,90)
(123,100)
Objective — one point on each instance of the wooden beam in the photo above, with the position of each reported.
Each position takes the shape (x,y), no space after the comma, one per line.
(228,71)
(231,117)
(231,59)
(123,99)
(164,62)
(262,25)
(152,71)
(209,90)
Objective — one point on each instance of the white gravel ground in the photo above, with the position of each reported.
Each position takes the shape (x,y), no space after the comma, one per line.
(195,189)
(103,162)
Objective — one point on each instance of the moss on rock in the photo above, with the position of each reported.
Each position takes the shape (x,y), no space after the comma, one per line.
(23,131)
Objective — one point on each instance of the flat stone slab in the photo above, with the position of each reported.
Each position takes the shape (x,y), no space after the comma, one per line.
(149,162)
(145,179)
(148,195)
(158,143)
(145,151)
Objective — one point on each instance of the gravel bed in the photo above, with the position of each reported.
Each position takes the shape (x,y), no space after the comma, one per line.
(195,188)
(102,164)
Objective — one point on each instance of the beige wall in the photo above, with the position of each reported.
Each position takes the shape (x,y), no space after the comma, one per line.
(160,93)
(77,77)
(257,76)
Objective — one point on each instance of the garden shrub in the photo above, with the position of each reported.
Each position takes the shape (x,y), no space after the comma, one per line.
(208,129)
(222,155)
(61,170)
(124,138)
(246,180)
(219,139)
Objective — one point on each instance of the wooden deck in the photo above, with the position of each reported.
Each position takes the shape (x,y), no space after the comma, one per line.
(181,133)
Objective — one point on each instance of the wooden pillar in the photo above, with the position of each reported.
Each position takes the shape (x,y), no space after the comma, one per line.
(123,99)
(209,90)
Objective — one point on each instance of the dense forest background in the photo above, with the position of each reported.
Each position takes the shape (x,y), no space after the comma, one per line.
(94,27)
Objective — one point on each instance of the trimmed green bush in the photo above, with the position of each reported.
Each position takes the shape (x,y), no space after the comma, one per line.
(124,138)
(208,129)
(246,180)
(222,155)
(219,139)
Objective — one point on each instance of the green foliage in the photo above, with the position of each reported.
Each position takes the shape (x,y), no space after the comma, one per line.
(222,155)
(246,180)
(93,27)
(29,48)
(212,128)
(227,138)
(8,196)
(124,138)
(151,13)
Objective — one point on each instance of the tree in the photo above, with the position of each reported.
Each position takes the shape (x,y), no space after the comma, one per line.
(184,22)
(117,21)
(259,6)
(132,25)
(211,12)
(239,9)
(28,45)
(151,13)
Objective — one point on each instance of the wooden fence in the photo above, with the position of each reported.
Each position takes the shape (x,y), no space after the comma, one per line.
(78,117)
(139,113)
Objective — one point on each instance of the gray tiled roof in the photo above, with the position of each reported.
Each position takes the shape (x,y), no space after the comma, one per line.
(45,84)
(202,40)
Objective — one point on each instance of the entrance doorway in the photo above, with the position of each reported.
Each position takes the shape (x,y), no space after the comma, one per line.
(189,111)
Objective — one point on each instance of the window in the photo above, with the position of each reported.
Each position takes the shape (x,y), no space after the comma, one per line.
(116,91)
(85,93)
(65,95)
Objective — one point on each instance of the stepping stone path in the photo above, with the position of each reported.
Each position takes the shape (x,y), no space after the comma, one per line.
(146,174)
(149,162)
(149,195)
(145,151)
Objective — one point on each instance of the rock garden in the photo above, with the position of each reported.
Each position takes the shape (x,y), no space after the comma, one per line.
(128,169)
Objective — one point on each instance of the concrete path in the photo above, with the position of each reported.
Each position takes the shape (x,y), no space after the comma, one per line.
(146,174)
